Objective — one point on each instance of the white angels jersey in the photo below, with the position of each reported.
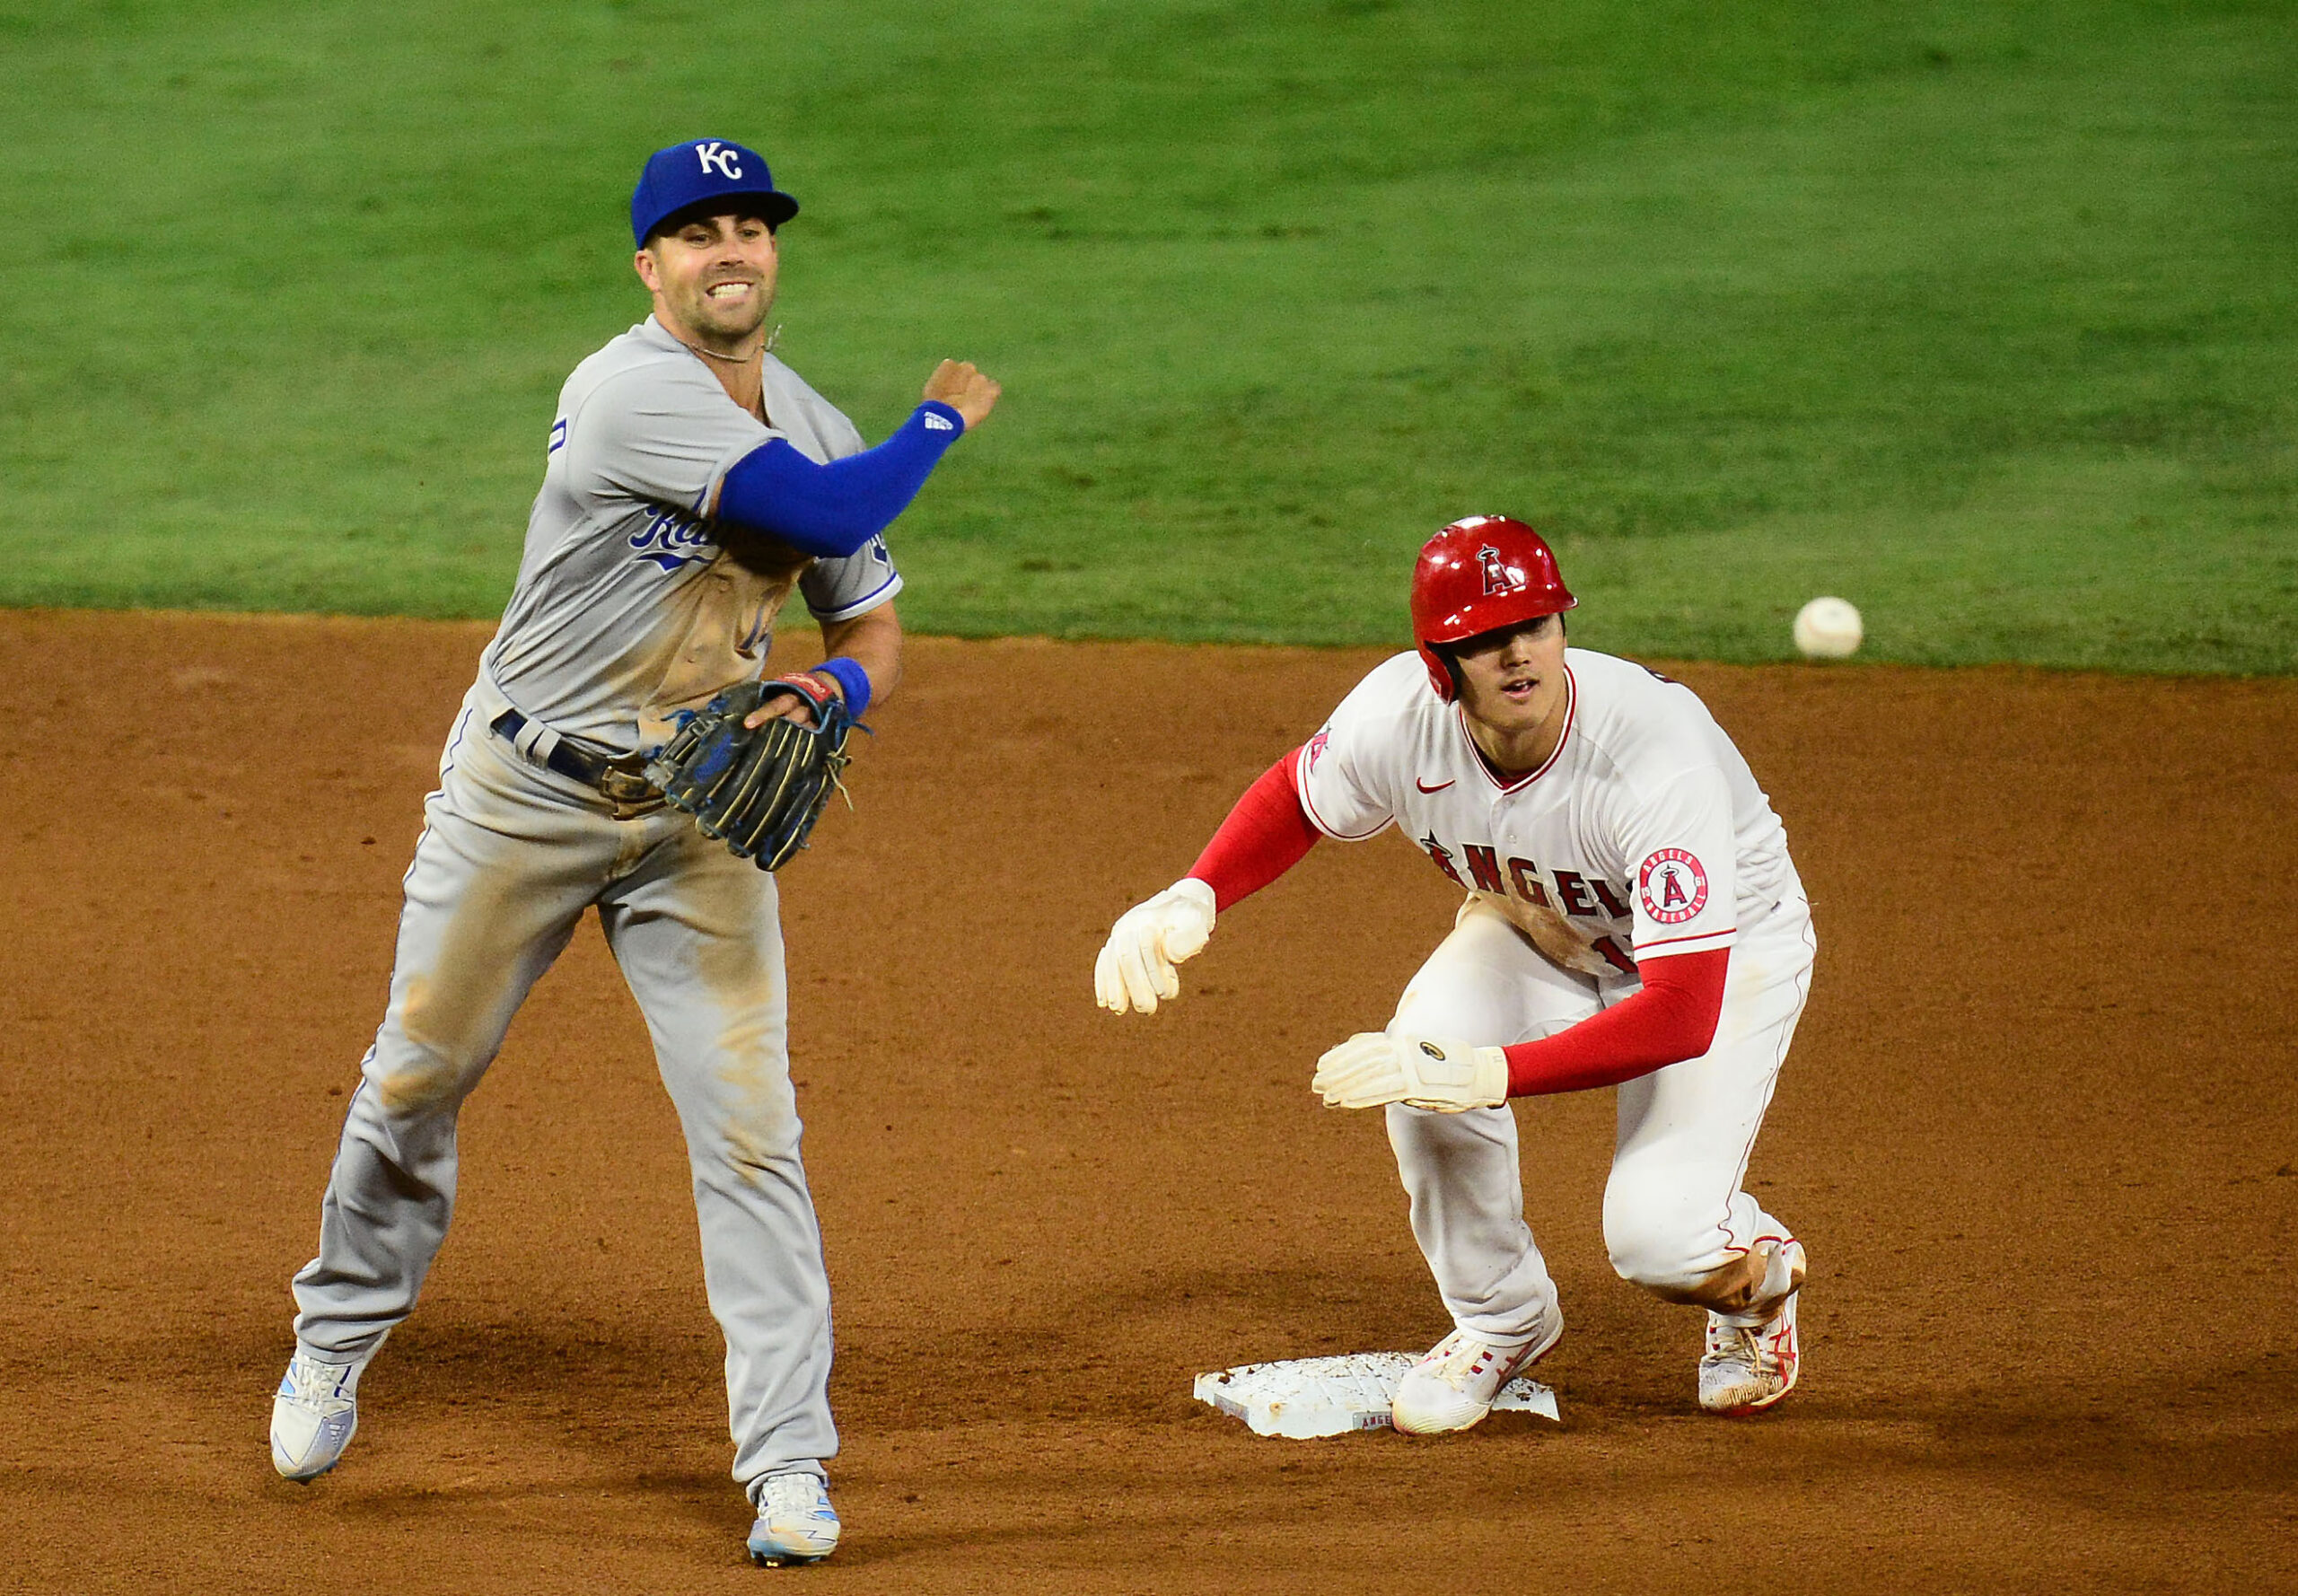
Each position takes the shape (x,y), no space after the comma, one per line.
(1645,834)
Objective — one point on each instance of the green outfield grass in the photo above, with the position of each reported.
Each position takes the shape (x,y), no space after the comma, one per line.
(1979,314)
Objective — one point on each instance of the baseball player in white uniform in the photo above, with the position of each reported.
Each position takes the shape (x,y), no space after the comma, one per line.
(1631,918)
(692,483)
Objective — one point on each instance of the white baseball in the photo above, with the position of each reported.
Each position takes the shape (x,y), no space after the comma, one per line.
(1828,629)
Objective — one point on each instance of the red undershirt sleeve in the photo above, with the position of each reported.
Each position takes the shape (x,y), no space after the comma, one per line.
(1267,834)
(1673,1019)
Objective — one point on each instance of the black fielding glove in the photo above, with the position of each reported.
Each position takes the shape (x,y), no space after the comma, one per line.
(759,792)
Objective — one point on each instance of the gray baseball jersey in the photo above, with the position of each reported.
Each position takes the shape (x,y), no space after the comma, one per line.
(625,609)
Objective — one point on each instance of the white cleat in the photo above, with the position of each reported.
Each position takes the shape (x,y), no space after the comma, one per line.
(313,1416)
(795,1522)
(1746,1368)
(1454,1387)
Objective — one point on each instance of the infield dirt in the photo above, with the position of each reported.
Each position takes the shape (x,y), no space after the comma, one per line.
(2039,1131)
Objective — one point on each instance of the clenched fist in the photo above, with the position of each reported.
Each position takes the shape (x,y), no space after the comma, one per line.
(1135,966)
(972,393)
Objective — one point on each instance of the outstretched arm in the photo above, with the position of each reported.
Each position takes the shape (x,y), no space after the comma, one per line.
(1265,836)
(1673,1019)
(830,511)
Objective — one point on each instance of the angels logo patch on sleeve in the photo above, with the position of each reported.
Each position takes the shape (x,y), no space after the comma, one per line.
(1674,886)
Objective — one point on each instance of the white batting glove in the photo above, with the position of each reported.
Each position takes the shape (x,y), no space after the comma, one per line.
(1373,1067)
(1135,966)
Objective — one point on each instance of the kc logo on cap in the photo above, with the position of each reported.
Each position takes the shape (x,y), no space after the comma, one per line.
(725,158)
(705,171)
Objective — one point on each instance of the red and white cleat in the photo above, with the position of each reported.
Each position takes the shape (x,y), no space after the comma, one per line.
(1747,1368)
(1454,1386)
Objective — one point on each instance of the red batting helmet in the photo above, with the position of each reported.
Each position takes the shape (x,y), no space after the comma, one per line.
(1477,574)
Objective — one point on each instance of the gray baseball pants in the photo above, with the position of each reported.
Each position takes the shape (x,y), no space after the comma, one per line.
(511,855)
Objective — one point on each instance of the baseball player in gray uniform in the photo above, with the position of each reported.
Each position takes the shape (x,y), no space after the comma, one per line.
(692,483)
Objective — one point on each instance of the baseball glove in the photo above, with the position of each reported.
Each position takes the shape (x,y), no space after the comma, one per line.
(759,792)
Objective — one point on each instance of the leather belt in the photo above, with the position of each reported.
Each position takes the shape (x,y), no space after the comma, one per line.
(622,781)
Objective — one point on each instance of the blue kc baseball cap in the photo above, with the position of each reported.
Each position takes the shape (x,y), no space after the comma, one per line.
(704,169)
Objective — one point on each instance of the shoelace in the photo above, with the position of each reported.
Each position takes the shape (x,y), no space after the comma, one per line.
(318,1387)
(1740,1343)
(791,1493)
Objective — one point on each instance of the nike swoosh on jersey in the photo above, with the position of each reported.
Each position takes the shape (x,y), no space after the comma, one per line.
(1425,787)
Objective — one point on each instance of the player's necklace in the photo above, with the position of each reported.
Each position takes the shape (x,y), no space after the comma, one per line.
(738,359)
(729,359)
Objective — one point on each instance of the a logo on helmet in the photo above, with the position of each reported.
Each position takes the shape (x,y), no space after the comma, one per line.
(1498,577)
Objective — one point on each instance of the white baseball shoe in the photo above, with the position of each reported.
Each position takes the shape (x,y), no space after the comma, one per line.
(1746,1368)
(315,1414)
(1454,1387)
(795,1522)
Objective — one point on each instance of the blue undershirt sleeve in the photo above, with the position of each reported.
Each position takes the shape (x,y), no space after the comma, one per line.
(831,510)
